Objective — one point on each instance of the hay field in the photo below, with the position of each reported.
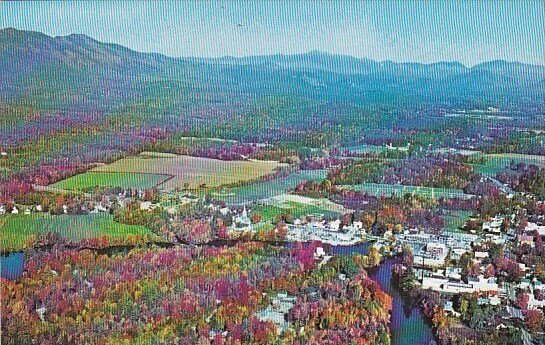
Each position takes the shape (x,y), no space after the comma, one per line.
(191,172)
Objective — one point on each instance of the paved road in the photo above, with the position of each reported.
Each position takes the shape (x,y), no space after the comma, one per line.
(504,188)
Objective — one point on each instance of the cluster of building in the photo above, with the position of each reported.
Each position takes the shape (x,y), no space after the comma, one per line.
(434,256)
(434,251)
(171,202)
(316,228)
(277,311)
(15,210)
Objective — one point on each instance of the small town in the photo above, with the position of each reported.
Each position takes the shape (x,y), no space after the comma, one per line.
(480,260)
(272,173)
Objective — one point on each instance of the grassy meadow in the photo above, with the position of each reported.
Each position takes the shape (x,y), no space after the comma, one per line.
(92,179)
(296,210)
(16,231)
(495,163)
(264,189)
(191,172)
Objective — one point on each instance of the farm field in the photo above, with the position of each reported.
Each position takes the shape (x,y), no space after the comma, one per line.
(498,161)
(15,231)
(169,171)
(264,189)
(92,179)
(192,172)
(378,189)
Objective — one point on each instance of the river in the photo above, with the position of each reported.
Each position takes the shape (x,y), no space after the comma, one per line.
(12,265)
(408,325)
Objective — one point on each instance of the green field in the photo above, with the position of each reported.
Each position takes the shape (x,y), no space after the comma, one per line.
(497,162)
(271,213)
(455,220)
(264,189)
(15,231)
(360,149)
(192,172)
(378,189)
(170,172)
(487,170)
(93,179)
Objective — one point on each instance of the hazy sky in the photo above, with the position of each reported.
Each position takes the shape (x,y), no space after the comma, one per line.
(403,30)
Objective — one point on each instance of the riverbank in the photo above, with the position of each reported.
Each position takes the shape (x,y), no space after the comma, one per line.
(408,324)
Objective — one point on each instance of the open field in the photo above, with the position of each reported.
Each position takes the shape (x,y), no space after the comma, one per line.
(322,203)
(498,161)
(297,206)
(360,149)
(296,210)
(169,171)
(92,179)
(15,231)
(458,151)
(378,189)
(455,220)
(264,189)
(192,172)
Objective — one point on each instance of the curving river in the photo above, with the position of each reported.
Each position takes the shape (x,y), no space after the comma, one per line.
(408,325)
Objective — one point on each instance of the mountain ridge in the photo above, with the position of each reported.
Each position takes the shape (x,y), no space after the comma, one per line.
(80,61)
(313,53)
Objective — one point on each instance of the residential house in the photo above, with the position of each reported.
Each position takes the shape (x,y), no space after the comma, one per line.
(526,239)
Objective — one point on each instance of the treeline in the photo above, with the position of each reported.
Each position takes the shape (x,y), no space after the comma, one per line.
(427,171)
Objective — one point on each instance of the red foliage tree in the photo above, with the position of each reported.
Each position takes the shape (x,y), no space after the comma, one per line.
(534,320)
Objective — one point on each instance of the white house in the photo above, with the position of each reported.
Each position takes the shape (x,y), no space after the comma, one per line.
(453,273)
(146,205)
(534,303)
(319,252)
(494,225)
(456,253)
(474,284)
(448,307)
(492,300)
(531,227)
(480,283)
(100,208)
(335,225)
(480,256)
(357,225)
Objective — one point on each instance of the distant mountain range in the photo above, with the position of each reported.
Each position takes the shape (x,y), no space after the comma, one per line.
(28,58)
(343,64)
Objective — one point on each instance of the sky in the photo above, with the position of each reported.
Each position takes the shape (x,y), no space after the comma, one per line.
(403,31)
